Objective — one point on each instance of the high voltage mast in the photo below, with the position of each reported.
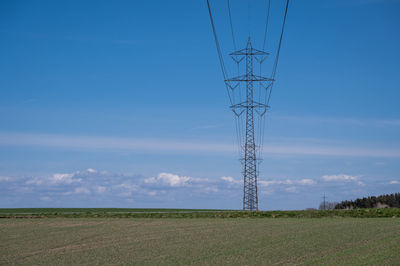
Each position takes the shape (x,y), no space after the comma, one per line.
(250,111)
(249,106)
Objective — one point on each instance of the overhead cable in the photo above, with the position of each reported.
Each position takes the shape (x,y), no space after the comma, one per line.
(221,60)
(273,74)
(230,21)
(266,24)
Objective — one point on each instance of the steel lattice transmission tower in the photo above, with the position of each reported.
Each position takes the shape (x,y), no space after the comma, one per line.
(251,108)
(249,112)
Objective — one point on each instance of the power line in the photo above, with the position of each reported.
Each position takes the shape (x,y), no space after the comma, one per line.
(237,119)
(248,17)
(230,21)
(278,52)
(273,73)
(266,24)
(221,60)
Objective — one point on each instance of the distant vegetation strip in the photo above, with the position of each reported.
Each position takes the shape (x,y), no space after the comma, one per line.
(107,210)
(388,200)
(187,213)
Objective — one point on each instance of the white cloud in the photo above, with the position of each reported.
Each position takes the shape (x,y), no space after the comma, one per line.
(92,183)
(273,182)
(82,190)
(127,187)
(65,178)
(268,183)
(291,189)
(91,170)
(343,178)
(340,177)
(152,193)
(5,179)
(169,180)
(100,189)
(289,185)
(304,182)
(62,177)
(35,181)
(207,189)
(55,179)
(78,190)
(231,180)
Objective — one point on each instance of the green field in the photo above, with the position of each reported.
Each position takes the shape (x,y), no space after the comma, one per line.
(241,241)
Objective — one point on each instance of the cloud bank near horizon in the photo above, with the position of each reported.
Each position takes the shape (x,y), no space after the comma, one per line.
(93,188)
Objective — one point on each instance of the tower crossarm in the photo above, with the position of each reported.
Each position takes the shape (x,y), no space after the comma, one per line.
(249,51)
(249,78)
(239,108)
(245,104)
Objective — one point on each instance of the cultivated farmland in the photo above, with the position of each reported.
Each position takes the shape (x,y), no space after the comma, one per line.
(141,241)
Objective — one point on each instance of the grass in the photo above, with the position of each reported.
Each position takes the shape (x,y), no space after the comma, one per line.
(173,241)
(190,213)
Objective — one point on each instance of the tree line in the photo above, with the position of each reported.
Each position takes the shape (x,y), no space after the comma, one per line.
(382,201)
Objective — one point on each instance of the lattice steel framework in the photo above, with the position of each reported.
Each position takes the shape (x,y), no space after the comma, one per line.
(251,109)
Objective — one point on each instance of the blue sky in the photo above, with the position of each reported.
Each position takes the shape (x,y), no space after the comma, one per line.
(122,104)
